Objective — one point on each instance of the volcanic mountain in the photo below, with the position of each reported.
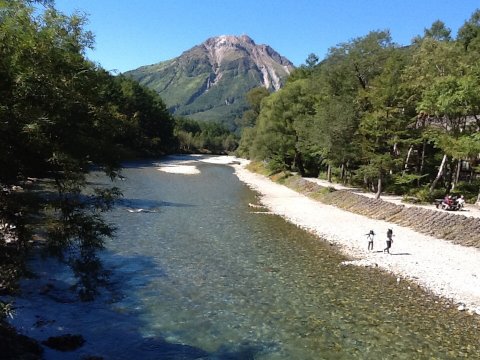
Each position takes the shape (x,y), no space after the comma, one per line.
(209,81)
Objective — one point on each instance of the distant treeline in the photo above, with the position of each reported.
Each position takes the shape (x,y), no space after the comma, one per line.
(204,137)
(376,114)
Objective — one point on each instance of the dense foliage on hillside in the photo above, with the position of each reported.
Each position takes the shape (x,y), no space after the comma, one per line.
(60,116)
(405,119)
(204,137)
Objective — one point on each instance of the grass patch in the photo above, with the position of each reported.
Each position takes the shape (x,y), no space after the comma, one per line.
(258,167)
(308,188)
(282,177)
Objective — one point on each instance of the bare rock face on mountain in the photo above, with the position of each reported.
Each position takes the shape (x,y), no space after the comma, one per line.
(209,81)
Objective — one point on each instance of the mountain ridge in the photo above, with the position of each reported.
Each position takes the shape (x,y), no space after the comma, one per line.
(209,81)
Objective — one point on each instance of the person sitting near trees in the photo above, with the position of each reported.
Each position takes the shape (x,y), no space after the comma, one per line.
(448,201)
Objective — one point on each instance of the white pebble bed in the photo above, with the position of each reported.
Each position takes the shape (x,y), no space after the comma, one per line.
(447,270)
(439,266)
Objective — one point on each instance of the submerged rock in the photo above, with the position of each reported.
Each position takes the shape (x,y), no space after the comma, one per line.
(361,262)
(14,346)
(65,342)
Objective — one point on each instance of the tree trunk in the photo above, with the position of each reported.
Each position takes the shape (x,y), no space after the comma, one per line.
(396,151)
(440,172)
(422,161)
(449,174)
(379,187)
(459,170)
(298,162)
(457,173)
(329,173)
(405,167)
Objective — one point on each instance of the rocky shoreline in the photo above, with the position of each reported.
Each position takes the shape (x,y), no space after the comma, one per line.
(457,228)
(436,250)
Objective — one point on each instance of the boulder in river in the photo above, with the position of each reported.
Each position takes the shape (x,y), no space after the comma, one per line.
(65,342)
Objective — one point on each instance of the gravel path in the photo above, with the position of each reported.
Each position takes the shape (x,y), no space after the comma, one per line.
(448,270)
(469,210)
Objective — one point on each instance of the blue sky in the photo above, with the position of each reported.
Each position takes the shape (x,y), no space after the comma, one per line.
(130,33)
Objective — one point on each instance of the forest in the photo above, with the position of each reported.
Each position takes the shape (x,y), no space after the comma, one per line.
(401,119)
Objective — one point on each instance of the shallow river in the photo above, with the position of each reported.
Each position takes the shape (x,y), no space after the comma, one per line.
(203,275)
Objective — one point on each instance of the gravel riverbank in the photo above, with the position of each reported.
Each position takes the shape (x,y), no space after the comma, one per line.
(446,269)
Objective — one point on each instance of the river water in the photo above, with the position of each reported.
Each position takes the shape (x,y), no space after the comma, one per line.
(200,274)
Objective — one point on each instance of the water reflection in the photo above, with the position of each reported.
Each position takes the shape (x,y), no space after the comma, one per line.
(147,204)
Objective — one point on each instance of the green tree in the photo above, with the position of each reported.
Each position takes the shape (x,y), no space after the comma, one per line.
(364,56)
(429,78)
(392,117)
(249,119)
(147,123)
(384,128)
(331,132)
(277,132)
(209,137)
(438,31)
(454,99)
(56,121)
(343,80)
(469,34)
(254,98)
(312,60)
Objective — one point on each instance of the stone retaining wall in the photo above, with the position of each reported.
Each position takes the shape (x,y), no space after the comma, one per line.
(457,228)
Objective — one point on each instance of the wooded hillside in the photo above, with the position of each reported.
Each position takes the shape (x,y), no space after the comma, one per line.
(379,115)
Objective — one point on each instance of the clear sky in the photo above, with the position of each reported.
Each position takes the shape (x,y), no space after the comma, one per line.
(132,33)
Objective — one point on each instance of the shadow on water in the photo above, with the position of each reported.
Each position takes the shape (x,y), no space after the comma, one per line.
(139,164)
(49,307)
(148,204)
(164,161)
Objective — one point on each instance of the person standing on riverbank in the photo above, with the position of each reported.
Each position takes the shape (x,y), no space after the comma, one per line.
(389,241)
(370,236)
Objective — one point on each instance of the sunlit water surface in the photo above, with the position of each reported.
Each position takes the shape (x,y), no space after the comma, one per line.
(205,276)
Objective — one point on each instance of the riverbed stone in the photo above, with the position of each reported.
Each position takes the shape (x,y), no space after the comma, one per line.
(454,227)
(14,346)
(67,342)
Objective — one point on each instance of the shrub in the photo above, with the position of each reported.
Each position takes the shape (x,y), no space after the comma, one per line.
(425,196)
(468,189)
(6,310)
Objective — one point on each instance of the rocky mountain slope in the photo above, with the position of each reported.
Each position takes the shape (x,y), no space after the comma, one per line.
(209,81)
